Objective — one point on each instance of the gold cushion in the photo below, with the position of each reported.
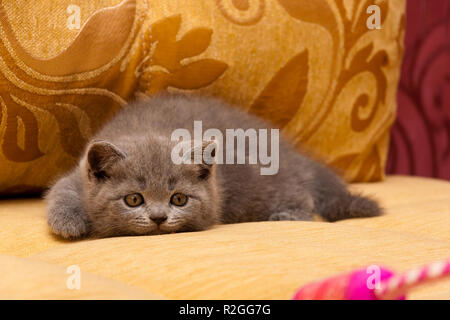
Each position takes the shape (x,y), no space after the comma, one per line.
(312,68)
(24,278)
(261,260)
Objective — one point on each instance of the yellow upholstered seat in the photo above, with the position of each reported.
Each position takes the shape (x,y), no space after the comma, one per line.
(264,260)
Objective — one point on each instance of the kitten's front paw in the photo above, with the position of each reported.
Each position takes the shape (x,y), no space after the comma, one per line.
(69,225)
(290,216)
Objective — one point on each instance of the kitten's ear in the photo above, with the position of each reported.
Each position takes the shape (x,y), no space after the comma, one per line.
(203,154)
(102,155)
(209,151)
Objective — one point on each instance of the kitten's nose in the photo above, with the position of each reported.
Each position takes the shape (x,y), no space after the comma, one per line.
(158,218)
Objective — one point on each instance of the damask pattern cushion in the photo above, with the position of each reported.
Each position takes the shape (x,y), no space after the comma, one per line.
(314,68)
(420,143)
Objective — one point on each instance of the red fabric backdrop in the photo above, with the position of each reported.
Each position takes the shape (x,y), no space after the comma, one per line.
(420,141)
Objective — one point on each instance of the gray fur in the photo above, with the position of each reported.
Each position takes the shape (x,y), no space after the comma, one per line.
(132,154)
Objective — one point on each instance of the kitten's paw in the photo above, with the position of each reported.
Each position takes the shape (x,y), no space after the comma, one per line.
(69,225)
(290,216)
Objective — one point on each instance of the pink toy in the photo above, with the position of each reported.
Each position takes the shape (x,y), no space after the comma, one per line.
(372,283)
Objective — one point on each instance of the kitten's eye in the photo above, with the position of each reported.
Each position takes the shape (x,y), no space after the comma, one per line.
(179,199)
(134,200)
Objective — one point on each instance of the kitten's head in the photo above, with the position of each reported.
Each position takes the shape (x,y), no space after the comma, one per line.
(142,191)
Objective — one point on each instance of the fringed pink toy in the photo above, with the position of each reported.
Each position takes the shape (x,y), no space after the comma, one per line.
(373,283)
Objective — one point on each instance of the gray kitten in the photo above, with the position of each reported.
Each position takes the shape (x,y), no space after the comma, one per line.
(127,184)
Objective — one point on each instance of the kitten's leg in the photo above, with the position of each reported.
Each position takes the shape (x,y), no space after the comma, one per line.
(292,215)
(334,202)
(65,213)
(348,206)
(300,208)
